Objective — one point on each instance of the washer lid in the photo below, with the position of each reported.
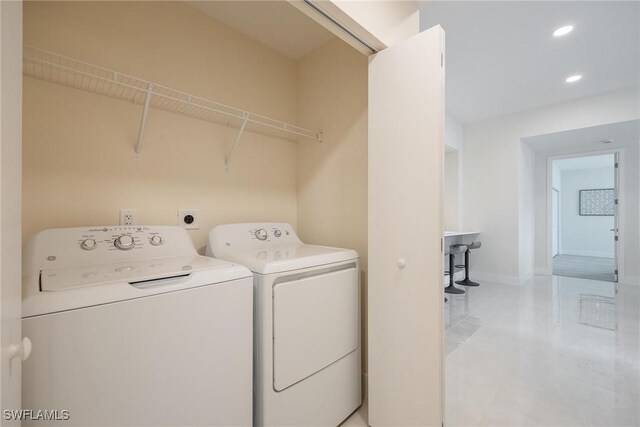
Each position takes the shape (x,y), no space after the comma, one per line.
(137,273)
(57,290)
(279,259)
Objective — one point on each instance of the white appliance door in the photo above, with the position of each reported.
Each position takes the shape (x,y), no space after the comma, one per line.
(176,359)
(13,346)
(315,323)
(406,120)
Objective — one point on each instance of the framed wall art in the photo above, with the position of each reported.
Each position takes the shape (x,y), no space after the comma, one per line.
(597,202)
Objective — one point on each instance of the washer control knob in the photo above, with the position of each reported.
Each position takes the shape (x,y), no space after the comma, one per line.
(155,240)
(261,234)
(88,244)
(277,233)
(124,242)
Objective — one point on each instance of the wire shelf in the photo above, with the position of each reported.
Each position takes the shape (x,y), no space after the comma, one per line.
(48,66)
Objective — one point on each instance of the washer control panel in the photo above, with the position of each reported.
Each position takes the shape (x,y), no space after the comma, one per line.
(120,238)
(64,247)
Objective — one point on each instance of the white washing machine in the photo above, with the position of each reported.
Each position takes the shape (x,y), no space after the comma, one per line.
(131,327)
(307,324)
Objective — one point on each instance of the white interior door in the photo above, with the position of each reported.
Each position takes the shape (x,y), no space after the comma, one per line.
(405,294)
(555,224)
(10,206)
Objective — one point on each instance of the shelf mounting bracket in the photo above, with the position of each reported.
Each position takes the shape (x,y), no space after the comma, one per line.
(143,121)
(227,161)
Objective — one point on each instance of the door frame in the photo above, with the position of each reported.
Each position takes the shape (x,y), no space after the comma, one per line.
(620,214)
(558,219)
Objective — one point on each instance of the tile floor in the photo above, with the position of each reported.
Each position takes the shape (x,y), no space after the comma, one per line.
(558,351)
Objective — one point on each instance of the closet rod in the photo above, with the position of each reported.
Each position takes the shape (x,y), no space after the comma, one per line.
(312,4)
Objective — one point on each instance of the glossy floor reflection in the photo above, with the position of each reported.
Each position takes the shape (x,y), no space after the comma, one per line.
(558,351)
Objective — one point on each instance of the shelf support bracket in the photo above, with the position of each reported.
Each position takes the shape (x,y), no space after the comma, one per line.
(227,161)
(143,121)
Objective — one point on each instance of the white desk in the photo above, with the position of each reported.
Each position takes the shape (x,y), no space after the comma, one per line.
(459,237)
(460,233)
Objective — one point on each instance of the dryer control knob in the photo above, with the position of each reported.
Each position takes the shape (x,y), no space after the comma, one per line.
(88,244)
(124,242)
(155,240)
(261,234)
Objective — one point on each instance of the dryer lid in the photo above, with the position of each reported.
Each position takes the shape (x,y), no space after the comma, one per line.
(280,259)
(267,248)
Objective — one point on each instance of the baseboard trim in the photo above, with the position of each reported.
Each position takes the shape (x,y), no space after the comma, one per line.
(595,254)
(541,271)
(526,277)
(365,385)
(629,280)
(496,278)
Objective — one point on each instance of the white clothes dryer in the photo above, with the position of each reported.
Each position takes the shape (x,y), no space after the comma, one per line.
(131,327)
(307,324)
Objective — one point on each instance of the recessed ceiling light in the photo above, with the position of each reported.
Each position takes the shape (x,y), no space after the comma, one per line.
(563,31)
(573,79)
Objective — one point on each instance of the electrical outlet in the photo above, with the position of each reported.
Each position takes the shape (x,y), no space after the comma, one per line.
(188,218)
(128,217)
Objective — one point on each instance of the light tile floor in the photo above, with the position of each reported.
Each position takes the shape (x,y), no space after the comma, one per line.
(558,351)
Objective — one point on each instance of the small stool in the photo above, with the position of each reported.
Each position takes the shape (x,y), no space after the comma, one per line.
(467,281)
(453,251)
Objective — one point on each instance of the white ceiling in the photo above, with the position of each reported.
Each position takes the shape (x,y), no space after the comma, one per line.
(587,139)
(502,57)
(589,162)
(276,24)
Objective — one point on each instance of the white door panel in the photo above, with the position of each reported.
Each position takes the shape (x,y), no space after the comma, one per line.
(314,324)
(406,120)
(10,206)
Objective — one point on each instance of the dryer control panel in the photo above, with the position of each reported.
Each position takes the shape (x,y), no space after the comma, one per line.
(253,236)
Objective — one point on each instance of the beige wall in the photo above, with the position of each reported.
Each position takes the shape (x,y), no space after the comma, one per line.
(332,187)
(79,166)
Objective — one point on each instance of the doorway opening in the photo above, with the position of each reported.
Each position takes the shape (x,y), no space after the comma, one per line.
(584,217)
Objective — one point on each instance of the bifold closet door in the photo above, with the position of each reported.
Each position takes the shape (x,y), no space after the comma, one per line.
(14,348)
(406,120)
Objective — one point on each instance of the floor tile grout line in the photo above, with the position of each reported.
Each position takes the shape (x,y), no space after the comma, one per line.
(470,313)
